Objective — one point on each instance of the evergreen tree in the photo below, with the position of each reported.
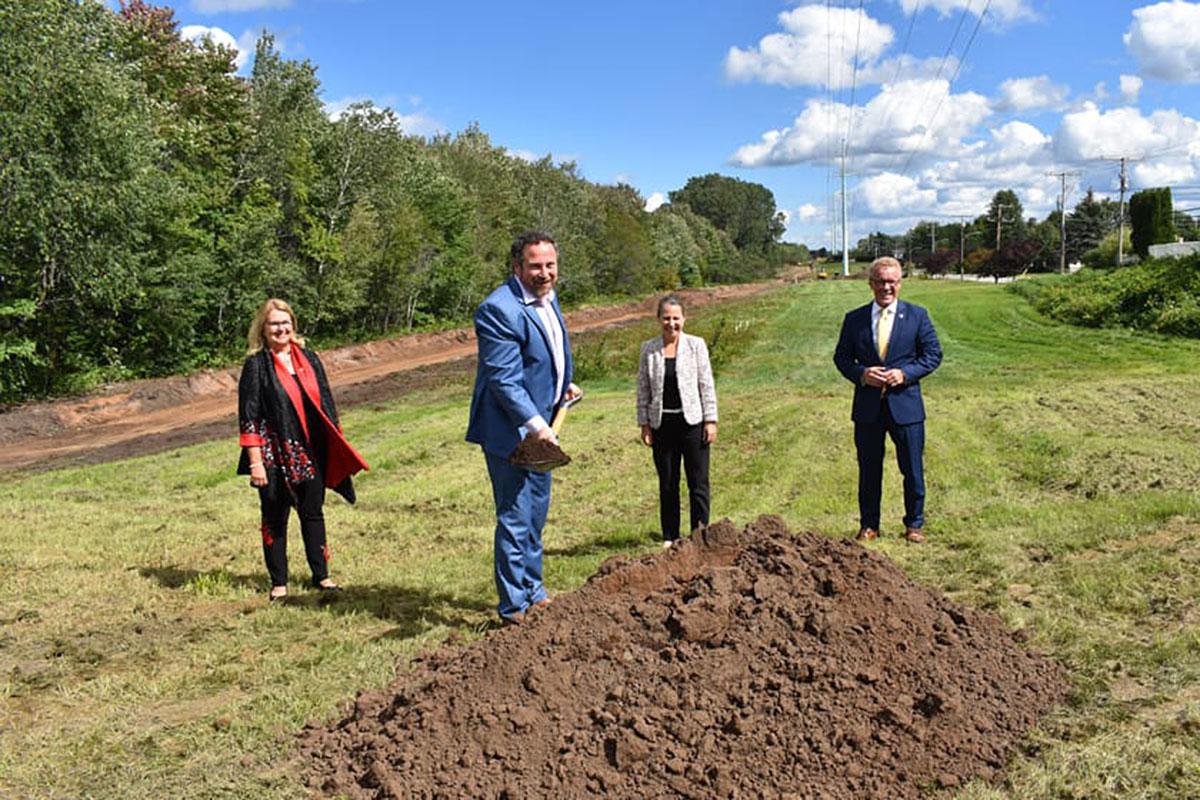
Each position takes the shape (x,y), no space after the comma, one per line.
(1152,218)
(1088,224)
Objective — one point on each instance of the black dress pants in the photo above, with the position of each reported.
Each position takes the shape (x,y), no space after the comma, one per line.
(309,500)
(675,439)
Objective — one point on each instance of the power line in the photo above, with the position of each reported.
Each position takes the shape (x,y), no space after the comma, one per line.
(853,82)
(829,117)
(912,19)
(912,153)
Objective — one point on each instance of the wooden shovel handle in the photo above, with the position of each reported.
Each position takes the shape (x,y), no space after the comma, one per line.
(559,417)
(561,414)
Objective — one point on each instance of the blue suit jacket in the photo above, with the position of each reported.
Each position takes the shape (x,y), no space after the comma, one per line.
(913,349)
(515,378)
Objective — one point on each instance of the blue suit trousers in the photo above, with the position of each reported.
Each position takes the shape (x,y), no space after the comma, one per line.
(522,500)
(910,448)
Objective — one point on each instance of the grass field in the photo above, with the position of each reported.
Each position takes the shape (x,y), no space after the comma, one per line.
(138,658)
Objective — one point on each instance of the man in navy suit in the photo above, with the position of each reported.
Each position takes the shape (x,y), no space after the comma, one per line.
(885,349)
(524,374)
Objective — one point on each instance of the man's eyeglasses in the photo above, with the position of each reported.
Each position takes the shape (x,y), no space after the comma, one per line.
(878,282)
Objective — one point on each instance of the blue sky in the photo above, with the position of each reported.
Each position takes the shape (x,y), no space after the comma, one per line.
(952,99)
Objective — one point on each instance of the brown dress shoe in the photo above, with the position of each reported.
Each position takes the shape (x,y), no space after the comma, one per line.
(914,535)
(545,601)
(866,534)
(515,618)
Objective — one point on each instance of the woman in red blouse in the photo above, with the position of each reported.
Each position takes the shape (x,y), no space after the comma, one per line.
(292,443)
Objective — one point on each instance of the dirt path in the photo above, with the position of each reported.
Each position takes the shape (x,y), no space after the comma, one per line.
(147,416)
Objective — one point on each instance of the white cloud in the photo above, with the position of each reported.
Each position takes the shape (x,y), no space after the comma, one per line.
(655,200)
(892,127)
(531,156)
(800,56)
(1001,10)
(1018,142)
(219,37)
(1090,133)
(1025,94)
(1164,172)
(1163,40)
(218,6)
(248,41)
(1131,86)
(808,212)
(418,123)
(889,194)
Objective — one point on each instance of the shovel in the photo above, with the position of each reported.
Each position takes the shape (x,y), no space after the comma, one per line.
(542,455)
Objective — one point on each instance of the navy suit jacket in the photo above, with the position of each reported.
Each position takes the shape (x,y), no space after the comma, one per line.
(913,349)
(515,377)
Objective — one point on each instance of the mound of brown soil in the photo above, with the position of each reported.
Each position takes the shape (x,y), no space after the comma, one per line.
(746,663)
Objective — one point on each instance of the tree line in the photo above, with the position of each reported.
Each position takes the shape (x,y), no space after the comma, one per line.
(1002,241)
(150,199)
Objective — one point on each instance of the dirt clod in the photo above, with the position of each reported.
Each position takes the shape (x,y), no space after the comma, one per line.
(741,663)
(537,453)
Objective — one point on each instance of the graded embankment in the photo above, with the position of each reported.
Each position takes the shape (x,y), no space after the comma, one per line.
(740,663)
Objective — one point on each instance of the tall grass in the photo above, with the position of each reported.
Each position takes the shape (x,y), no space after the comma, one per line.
(139,659)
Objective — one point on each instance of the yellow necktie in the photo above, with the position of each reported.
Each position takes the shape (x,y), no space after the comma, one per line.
(883,332)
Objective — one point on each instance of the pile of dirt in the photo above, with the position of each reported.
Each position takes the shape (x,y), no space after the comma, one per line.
(751,663)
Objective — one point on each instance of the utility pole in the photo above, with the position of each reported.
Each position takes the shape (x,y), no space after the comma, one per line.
(932,237)
(962,247)
(845,233)
(1121,215)
(1121,218)
(1062,220)
(999,218)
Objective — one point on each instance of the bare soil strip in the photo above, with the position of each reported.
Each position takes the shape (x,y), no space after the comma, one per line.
(140,417)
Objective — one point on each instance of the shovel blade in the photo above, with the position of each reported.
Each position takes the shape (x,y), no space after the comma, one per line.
(538,455)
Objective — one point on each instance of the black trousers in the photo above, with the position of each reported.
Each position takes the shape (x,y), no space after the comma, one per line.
(675,439)
(308,498)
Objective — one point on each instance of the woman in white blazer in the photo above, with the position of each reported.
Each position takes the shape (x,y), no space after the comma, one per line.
(677,410)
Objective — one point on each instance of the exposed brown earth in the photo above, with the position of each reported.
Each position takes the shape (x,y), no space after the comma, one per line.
(739,664)
(146,416)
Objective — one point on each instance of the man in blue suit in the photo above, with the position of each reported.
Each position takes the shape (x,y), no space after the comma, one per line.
(885,349)
(524,374)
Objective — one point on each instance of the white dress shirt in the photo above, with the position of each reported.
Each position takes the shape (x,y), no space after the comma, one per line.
(545,311)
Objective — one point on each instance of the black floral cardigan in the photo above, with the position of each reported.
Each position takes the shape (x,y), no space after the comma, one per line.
(270,417)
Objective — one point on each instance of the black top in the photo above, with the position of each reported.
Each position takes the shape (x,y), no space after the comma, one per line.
(671,399)
(317,447)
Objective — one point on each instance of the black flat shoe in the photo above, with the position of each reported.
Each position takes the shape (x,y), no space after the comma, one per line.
(329,587)
(276,598)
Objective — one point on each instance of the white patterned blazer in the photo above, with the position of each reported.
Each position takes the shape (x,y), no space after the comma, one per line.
(694,373)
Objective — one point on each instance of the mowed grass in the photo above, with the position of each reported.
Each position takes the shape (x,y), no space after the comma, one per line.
(139,659)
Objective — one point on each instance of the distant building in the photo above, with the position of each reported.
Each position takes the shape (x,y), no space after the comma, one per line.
(1174,249)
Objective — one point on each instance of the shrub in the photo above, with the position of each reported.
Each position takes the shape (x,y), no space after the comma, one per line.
(1157,296)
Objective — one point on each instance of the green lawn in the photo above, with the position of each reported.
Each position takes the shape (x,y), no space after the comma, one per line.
(138,658)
